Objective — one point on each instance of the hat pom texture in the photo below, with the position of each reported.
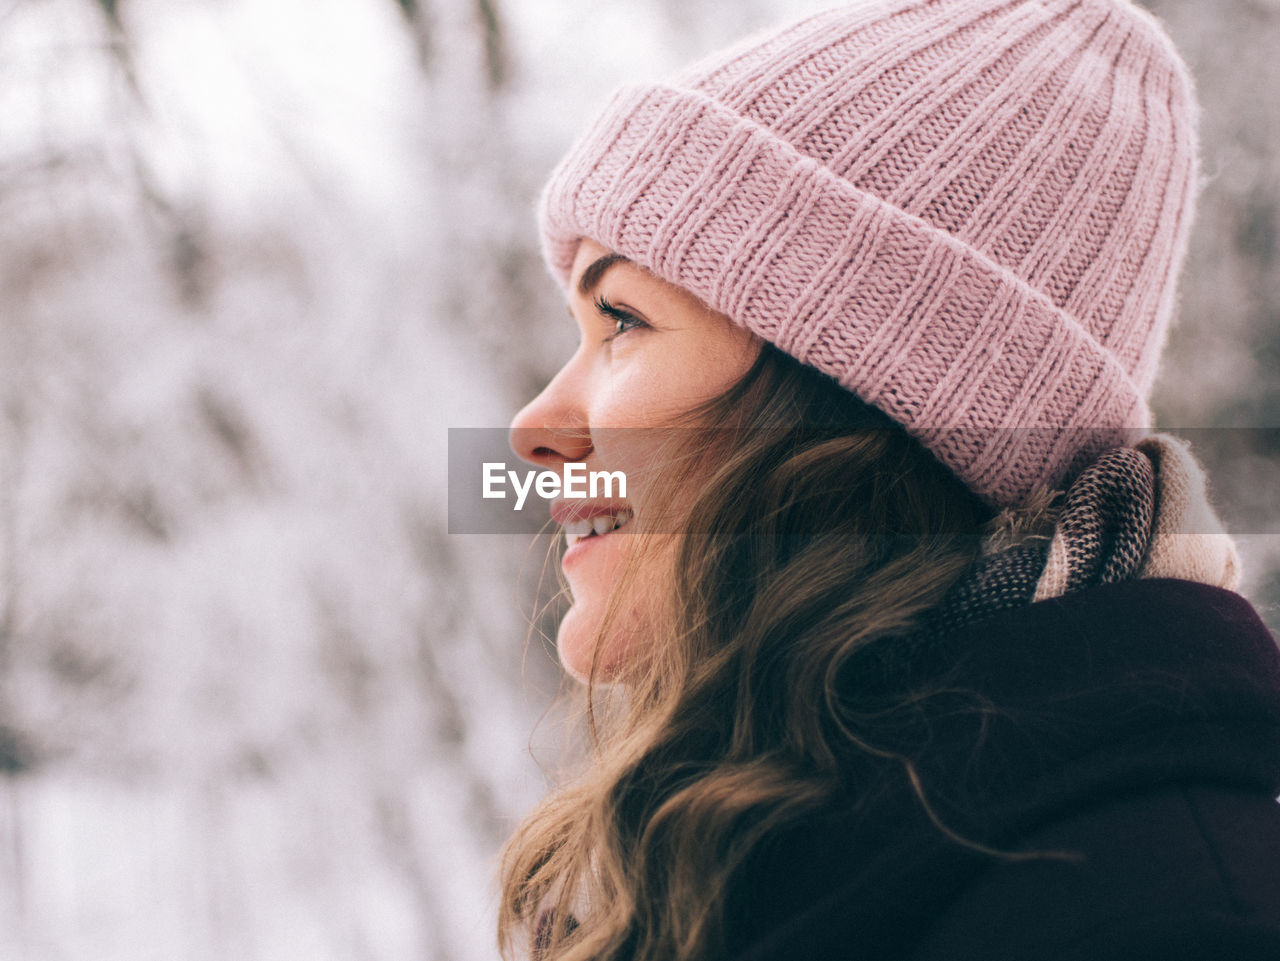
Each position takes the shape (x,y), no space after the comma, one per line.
(971,213)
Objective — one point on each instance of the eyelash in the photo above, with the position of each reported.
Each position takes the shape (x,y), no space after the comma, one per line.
(623,320)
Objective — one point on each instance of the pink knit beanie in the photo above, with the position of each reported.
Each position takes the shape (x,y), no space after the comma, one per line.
(971,213)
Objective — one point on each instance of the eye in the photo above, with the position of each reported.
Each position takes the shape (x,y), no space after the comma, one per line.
(622,320)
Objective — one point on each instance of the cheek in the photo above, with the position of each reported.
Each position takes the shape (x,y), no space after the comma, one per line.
(626,435)
(630,421)
(627,392)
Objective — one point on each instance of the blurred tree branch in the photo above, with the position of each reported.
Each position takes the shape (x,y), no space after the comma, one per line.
(495,46)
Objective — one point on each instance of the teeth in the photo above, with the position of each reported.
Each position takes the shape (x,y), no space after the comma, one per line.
(575,531)
(599,525)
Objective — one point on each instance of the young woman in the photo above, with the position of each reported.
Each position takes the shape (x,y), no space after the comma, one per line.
(909,639)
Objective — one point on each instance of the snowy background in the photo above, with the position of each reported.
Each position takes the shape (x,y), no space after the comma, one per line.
(256,256)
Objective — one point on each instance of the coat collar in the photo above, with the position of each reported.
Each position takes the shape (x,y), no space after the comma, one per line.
(1037,712)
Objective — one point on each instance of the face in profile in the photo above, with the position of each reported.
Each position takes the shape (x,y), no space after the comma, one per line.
(649,352)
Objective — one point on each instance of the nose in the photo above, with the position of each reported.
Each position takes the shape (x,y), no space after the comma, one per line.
(552,429)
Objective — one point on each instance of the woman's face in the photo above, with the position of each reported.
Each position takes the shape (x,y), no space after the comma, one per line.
(649,352)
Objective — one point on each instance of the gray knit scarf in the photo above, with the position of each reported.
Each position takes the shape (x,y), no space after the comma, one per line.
(1139,511)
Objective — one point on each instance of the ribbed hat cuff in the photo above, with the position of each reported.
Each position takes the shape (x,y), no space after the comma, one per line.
(986,371)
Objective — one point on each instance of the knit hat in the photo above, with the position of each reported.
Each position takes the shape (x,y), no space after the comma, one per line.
(971,213)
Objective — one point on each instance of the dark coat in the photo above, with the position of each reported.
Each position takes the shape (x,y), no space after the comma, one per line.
(1118,748)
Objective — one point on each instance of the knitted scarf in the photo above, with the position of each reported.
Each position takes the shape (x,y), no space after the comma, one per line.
(1135,512)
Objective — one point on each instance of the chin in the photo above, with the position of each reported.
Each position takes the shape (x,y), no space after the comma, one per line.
(576,643)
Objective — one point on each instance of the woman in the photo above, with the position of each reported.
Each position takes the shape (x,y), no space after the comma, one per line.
(915,642)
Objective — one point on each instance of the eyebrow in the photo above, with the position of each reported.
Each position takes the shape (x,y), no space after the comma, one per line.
(595,270)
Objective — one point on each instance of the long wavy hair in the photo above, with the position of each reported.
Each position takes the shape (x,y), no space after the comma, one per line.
(821,528)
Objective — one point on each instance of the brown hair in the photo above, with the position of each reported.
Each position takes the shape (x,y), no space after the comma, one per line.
(822,528)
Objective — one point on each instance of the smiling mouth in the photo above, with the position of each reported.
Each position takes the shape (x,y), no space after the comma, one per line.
(597,526)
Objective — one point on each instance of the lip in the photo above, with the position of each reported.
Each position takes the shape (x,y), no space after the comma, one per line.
(573,554)
(566,512)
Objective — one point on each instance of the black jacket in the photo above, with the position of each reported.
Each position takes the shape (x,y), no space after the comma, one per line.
(1104,767)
